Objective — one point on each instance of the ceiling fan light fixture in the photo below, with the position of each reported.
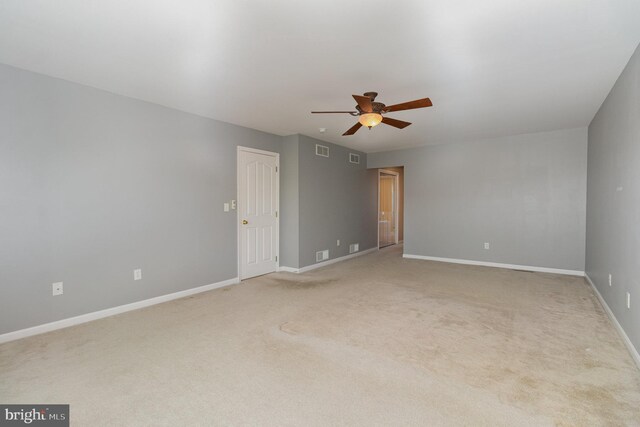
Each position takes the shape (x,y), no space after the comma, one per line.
(369,112)
(370,119)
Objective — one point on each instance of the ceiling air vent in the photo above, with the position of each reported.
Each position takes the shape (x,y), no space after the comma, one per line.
(354,158)
(321,150)
(322,255)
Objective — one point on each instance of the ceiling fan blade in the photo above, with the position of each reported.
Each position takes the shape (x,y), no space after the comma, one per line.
(418,103)
(331,112)
(352,129)
(364,102)
(395,123)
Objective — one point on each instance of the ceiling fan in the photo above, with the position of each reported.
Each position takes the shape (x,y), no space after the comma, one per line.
(370,112)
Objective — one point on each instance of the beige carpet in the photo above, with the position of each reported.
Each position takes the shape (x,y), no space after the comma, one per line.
(377,340)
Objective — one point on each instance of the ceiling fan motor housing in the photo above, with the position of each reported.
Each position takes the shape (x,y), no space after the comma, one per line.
(377,107)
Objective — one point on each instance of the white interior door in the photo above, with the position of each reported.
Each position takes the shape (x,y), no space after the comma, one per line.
(257,212)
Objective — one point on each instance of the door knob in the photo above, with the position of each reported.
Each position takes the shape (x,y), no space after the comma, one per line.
(245,222)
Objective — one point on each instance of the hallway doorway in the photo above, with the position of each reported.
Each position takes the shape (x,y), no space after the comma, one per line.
(389,206)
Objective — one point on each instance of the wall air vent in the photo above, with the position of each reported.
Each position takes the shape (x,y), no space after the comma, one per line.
(322,255)
(354,247)
(354,158)
(321,150)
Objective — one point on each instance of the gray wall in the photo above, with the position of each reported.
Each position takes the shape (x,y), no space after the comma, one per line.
(338,200)
(289,203)
(613,199)
(93,185)
(524,194)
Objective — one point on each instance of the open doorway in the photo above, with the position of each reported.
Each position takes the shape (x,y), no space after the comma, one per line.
(390,204)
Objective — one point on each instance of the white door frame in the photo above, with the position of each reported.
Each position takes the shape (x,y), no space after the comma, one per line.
(395,202)
(238,228)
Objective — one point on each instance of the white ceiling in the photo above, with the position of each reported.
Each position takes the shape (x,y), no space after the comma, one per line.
(491,67)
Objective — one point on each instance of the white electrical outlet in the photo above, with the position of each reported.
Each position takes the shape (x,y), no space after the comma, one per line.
(57,288)
(137,274)
(233,204)
(628,300)
(610,282)
(338,242)
(226,207)
(486,245)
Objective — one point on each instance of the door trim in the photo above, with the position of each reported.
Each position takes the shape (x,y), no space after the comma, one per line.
(238,231)
(395,202)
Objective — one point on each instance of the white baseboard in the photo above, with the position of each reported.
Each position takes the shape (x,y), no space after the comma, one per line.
(83,318)
(328,262)
(627,342)
(497,265)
